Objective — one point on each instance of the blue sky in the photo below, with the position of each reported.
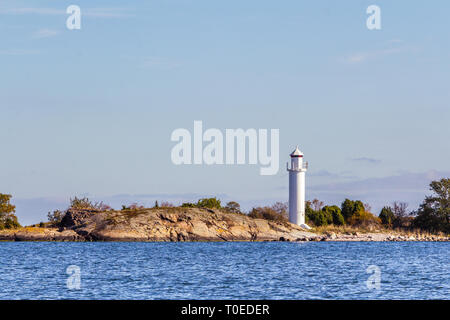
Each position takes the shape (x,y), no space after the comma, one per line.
(91,111)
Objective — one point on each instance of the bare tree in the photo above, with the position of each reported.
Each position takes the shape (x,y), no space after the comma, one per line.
(280,208)
(367,207)
(400,209)
(401,214)
(317,204)
(166,204)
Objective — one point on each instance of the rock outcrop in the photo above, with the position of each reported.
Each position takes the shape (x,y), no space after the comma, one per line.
(162,224)
(185,224)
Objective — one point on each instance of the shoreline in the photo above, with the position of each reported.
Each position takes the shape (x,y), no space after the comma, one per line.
(53,235)
(177,224)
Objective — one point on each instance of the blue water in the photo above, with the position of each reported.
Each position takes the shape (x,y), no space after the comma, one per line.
(222,270)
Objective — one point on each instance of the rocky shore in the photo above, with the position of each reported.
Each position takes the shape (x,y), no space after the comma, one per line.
(185,224)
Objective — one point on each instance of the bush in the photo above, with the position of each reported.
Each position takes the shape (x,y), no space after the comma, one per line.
(211,203)
(387,216)
(267,213)
(281,208)
(189,205)
(166,204)
(133,206)
(55,217)
(352,209)
(364,219)
(334,215)
(86,204)
(317,217)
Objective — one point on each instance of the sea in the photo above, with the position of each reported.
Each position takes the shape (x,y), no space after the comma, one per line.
(224,270)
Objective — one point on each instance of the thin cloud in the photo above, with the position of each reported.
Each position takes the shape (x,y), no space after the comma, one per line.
(366,160)
(45,33)
(88,12)
(108,12)
(40,11)
(159,63)
(18,52)
(361,57)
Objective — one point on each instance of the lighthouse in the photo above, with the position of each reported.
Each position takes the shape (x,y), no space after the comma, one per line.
(297,188)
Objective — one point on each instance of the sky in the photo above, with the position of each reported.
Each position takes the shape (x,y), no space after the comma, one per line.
(90,112)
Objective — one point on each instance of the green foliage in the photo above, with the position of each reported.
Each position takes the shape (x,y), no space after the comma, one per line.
(333,215)
(233,206)
(387,216)
(189,205)
(211,203)
(8,219)
(434,213)
(351,210)
(55,217)
(316,217)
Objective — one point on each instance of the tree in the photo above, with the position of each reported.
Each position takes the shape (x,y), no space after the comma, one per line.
(434,213)
(387,216)
(233,206)
(400,214)
(351,208)
(317,204)
(55,217)
(334,215)
(8,219)
(156,204)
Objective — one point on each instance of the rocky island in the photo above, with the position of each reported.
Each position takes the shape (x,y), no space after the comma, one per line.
(185,224)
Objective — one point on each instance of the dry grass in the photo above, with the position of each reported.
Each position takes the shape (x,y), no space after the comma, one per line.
(347,229)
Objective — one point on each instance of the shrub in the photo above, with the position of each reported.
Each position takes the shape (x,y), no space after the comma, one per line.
(211,203)
(364,219)
(267,213)
(55,217)
(281,208)
(387,216)
(334,215)
(189,205)
(166,204)
(85,204)
(351,209)
(133,206)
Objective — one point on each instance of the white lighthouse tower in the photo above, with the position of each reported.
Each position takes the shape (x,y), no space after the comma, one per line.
(297,188)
